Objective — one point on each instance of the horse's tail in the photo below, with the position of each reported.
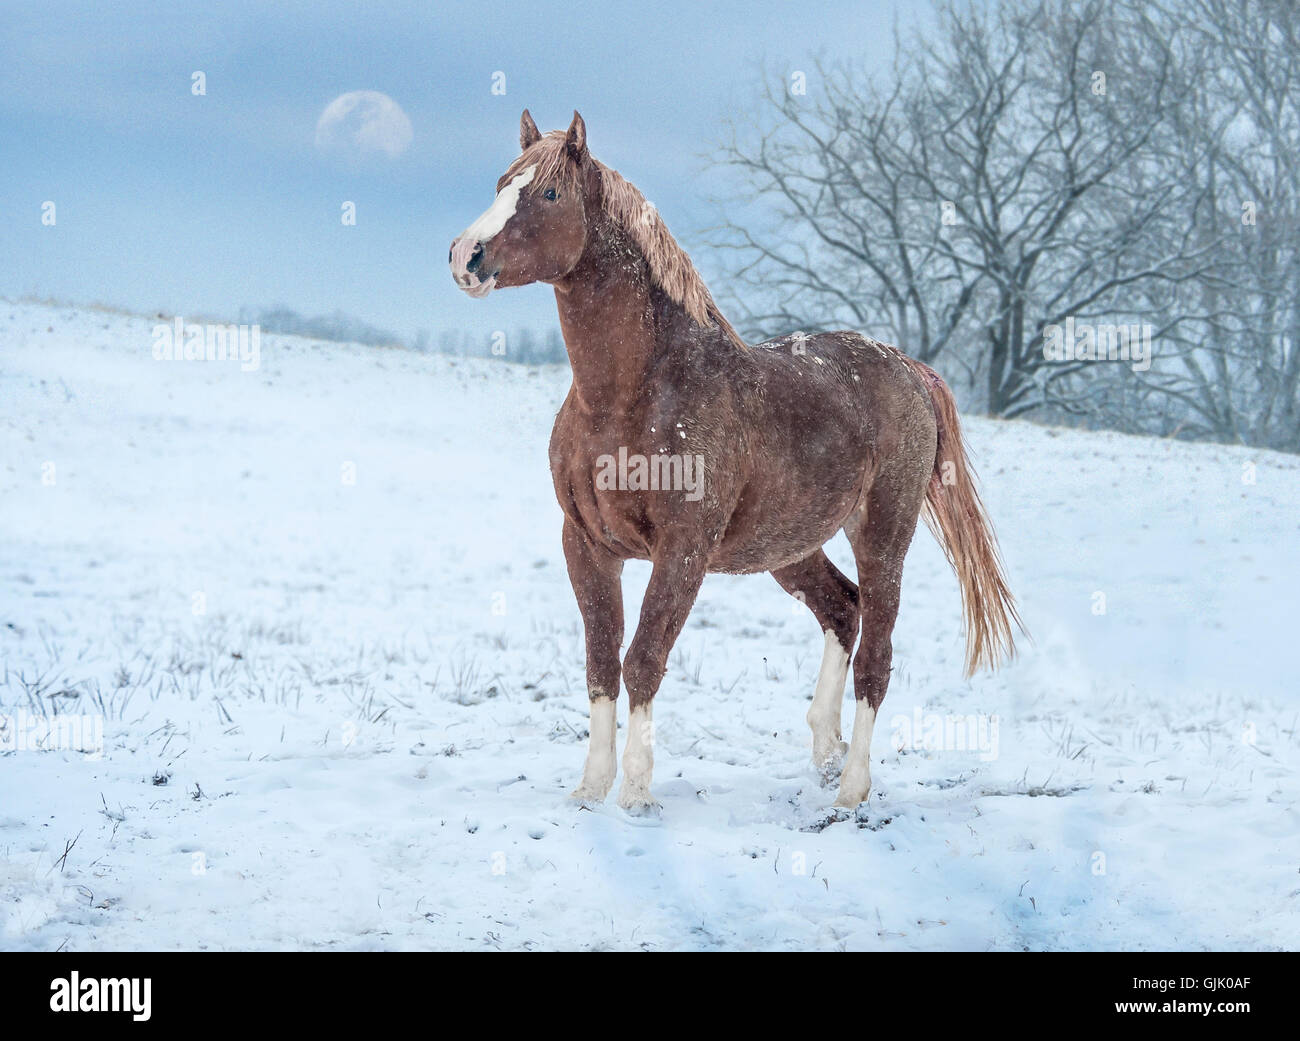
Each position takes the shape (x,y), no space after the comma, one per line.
(954,513)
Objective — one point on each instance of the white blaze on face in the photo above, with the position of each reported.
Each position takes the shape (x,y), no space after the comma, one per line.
(495,217)
(483,230)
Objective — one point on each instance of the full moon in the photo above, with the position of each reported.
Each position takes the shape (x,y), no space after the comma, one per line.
(362,123)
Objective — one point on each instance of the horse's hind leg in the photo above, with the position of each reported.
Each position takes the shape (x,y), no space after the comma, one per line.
(879,533)
(833,600)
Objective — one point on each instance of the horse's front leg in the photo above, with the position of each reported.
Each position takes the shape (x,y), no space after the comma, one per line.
(674,583)
(596,576)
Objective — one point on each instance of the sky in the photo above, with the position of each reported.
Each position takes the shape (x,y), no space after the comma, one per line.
(205,205)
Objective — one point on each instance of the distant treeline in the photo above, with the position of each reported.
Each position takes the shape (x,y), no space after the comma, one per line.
(523,346)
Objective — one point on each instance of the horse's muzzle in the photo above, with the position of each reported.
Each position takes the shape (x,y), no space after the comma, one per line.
(466,260)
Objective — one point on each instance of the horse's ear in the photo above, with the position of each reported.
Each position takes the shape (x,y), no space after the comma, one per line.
(575,139)
(529,135)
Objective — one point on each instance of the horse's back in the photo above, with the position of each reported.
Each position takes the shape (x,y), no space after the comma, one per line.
(868,391)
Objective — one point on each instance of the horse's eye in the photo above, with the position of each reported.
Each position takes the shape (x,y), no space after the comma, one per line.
(550,195)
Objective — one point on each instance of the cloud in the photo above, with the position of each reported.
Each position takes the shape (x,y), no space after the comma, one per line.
(363,123)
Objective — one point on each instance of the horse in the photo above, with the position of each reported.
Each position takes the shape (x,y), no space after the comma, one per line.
(787,443)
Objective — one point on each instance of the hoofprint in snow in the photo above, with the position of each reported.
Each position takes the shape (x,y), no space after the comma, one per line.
(313,625)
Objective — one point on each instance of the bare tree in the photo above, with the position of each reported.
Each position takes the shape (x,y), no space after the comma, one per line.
(1236,374)
(841,246)
(1038,162)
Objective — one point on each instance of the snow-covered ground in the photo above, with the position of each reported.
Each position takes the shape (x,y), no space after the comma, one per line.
(321,614)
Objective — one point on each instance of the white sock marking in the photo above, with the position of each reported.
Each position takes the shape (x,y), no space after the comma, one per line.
(638,761)
(824,713)
(602,764)
(855,782)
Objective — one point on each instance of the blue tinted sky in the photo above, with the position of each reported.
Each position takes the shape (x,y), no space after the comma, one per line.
(208,204)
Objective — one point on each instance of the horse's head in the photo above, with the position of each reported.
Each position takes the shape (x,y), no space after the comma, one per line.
(537,228)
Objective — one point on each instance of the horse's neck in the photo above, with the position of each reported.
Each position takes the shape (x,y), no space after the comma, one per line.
(609,324)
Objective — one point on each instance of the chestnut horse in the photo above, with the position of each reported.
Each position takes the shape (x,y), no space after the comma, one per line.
(680,444)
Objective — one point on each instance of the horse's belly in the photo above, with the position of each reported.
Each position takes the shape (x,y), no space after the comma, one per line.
(769,530)
(805,477)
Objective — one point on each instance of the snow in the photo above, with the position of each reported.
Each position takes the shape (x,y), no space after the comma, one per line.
(321,613)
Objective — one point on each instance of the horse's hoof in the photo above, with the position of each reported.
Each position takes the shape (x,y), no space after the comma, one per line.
(850,804)
(848,808)
(826,818)
(590,793)
(640,804)
(829,767)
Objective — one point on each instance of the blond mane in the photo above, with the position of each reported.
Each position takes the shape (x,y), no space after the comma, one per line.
(670,267)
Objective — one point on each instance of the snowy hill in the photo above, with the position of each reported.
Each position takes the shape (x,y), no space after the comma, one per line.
(321,613)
